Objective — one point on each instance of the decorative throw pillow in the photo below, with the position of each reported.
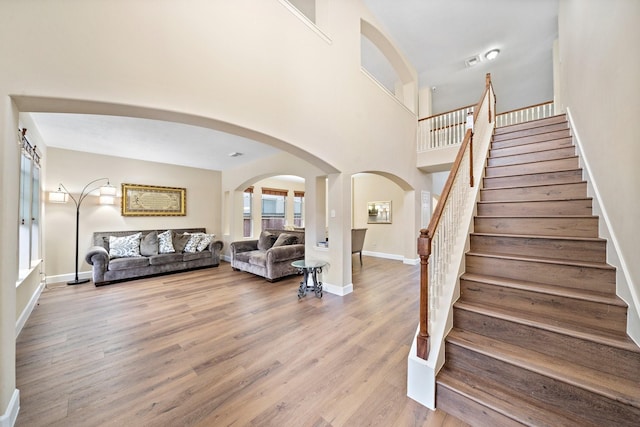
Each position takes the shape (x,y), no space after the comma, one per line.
(266,240)
(205,241)
(285,239)
(165,244)
(180,241)
(105,243)
(123,247)
(149,244)
(192,243)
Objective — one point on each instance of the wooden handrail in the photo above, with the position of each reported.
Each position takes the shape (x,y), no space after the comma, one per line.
(448,126)
(447,112)
(426,234)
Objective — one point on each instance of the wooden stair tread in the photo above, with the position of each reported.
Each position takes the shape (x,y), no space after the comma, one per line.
(555,261)
(538,217)
(531,162)
(533,173)
(558,118)
(615,388)
(561,291)
(534,130)
(537,236)
(621,341)
(530,186)
(520,407)
(488,202)
(498,156)
(516,141)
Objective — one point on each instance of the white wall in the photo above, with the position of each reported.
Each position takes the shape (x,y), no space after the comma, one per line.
(249,67)
(75,169)
(384,240)
(600,84)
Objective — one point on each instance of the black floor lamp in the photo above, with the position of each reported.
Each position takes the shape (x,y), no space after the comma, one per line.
(62,196)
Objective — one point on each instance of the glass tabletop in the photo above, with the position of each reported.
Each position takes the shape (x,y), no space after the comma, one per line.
(308,263)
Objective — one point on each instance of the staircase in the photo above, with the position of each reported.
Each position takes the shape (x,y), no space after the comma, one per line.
(538,333)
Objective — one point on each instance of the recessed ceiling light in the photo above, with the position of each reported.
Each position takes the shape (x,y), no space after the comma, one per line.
(235,154)
(492,54)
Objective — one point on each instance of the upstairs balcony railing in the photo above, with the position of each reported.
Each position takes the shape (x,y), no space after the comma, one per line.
(534,112)
(443,130)
(447,129)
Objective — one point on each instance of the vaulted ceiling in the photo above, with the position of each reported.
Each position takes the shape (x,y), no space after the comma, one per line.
(436,36)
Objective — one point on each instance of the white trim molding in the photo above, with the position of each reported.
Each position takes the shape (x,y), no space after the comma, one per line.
(625,288)
(24,316)
(337,290)
(69,277)
(383,255)
(8,419)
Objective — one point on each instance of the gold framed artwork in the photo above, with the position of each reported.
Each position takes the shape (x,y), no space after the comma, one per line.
(151,200)
(379,212)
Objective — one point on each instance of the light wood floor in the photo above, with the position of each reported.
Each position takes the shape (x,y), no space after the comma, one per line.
(216,347)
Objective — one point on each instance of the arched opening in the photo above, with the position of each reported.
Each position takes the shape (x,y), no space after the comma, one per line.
(386,65)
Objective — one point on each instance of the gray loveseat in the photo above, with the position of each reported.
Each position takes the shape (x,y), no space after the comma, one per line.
(150,261)
(271,255)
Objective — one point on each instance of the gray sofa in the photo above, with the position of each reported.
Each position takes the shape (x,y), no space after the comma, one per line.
(268,257)
(108,269)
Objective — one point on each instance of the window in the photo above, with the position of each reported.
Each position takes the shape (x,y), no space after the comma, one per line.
(298,208)
(29,226)
(247,212)
(274,202)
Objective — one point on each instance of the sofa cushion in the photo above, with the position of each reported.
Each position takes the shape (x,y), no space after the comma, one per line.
(285,239)
(165,258)
(196,255)
(131,262)
(165,243)
(253,257)
(180,241)
(149,244)
(205,241)
(124,247)
(258,258)
(266,240)
(192,243)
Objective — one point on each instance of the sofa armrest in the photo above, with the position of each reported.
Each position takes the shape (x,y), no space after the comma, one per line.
(243,246)
(216,247)
(98,257)
(285,253)
(97,254)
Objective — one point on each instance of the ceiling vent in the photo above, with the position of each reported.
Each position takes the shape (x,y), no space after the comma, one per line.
(470,62)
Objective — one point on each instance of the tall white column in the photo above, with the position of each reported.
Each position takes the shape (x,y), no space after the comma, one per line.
(338,275)
(9,185)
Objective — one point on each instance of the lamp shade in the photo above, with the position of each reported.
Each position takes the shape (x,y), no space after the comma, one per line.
(58,197)
(108,190)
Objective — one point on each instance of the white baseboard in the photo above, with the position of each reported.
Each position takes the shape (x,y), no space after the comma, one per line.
(409,261)
(625,286)
(22,319)
(8,419)
(337,290)
(69,277)
(383,255)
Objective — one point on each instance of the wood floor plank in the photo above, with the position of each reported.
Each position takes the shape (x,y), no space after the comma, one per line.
(218,347)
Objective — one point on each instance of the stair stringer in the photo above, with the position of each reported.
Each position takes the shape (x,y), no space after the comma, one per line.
(625,288)
(421,374)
